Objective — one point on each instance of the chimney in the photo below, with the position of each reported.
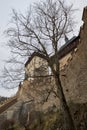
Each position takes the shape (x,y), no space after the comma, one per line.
(66,39)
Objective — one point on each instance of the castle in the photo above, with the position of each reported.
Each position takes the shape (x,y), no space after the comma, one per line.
(33,93)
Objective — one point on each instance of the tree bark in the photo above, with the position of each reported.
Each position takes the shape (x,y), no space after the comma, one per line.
(68,121)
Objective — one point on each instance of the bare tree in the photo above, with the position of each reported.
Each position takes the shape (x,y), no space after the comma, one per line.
(41,30)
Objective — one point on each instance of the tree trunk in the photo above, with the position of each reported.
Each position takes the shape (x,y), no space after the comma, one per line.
(68,121)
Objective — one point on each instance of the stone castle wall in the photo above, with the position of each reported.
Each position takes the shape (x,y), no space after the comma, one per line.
(75,80)
(73,76)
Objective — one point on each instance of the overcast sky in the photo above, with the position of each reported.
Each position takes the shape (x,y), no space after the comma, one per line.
(21,5)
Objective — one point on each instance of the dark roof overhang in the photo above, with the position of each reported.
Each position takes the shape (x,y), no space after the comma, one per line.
(64,50)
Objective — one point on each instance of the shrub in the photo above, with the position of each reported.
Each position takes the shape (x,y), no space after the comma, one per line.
(7,124)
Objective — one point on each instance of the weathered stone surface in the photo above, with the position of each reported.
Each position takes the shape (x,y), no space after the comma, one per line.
(37,96)
(75,80)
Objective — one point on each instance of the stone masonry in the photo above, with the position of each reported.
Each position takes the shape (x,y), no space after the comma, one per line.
(33,95)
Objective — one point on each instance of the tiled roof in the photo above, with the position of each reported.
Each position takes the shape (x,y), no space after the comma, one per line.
(69,46)
(64,50)
(33,55)
(67,43)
